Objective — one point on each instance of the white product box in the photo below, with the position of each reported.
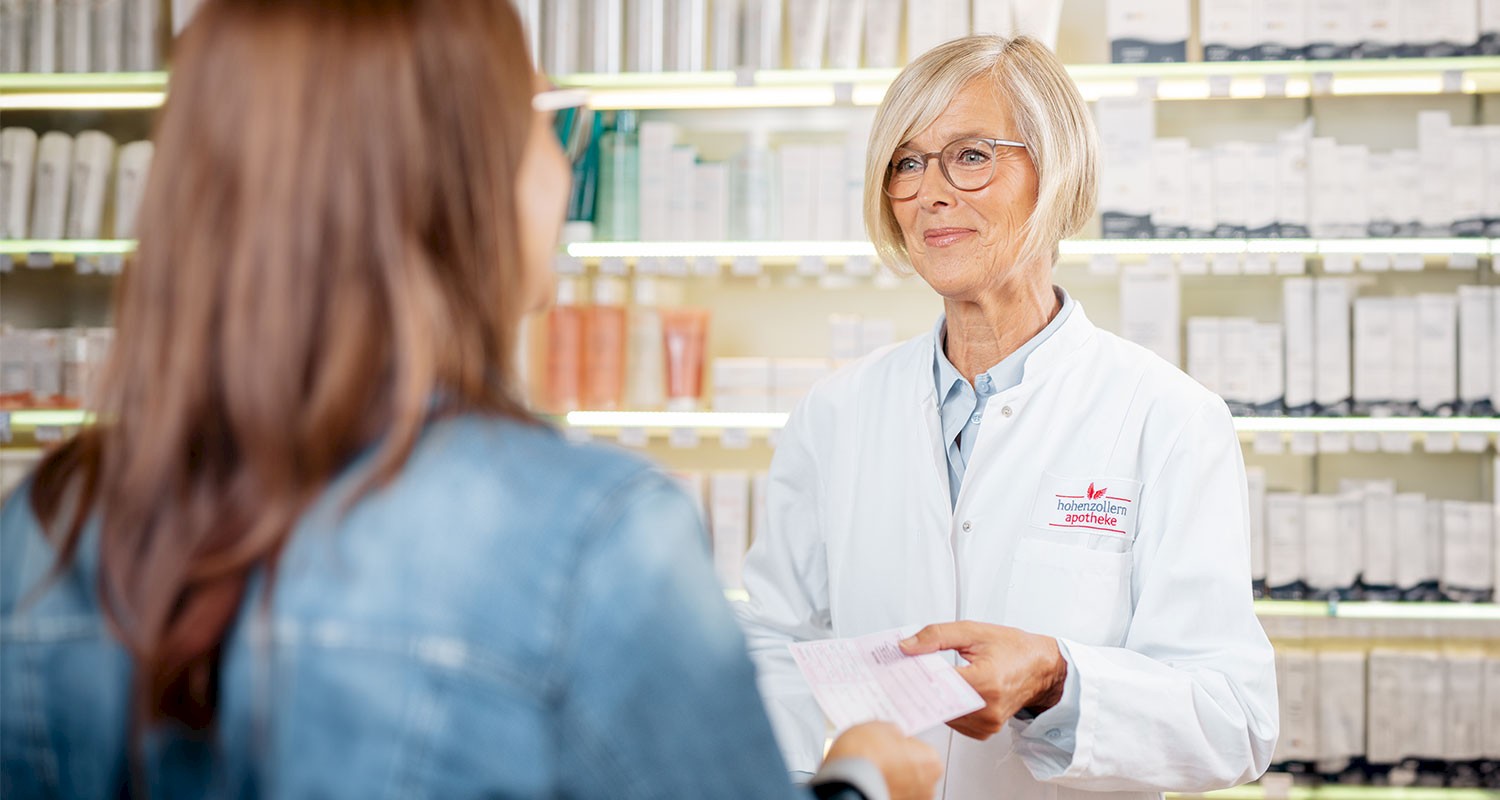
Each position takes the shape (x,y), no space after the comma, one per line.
(1150,309)
(1463,724)
(656,142)
(1476,357)
(1468,555)
(1384,742)
(711,197)
(797,172)
(1204,343)
(1489,27)
(856,143)
(1281,28)
(1127,128)
(1301,341)
(925,27)
(1377,22)
(1495,353)
(1322,546)
(883,33)
(1261,161)
(1255,478)
(1380,533)
(807,28)
(724,31)
(109,36)
(1269,366)
(603,48)
(742,384)
(561,22)
(875,334)
(1227,29)
(844,337)
(992,18)
(1292,183)
(955,15)
(1381,199)
(142,54)
(729,516)
(1459,28)
(681,204)
(75,28)
(1351,533)
(1490,179)
(1331,385)
(1437,351)
(645,35)
(1332,29)
(1039,19)
(1237,360)
(1434,152)
(1422,27)
(41,44)
(17,165)
(1425,673)
(1297,696)
(687,35)
(1341,706)
(1413,567)
(1147,31)
(93,163)
(130,185)
(1231,202)
(1169,188)
(1284,547)
(846,19)
(1437,538)
(1374,343)
(829,207)
(1491,706)
(1200,193)
(1406,169)
(1467,171)
(1353,176)
(1404,351)
(1325,187)
(54,169)
(13,35)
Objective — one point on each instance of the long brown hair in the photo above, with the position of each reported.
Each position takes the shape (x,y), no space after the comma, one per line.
(328,251)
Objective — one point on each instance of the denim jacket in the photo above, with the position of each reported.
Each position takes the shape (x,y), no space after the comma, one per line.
(512,616)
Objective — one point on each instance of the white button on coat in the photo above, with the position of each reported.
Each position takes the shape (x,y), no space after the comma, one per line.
(1117,522)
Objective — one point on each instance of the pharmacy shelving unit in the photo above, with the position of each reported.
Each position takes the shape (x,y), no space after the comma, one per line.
(1245,80)
(706,259)
(1242,80)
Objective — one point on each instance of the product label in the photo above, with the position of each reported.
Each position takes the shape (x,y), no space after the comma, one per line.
(1101,505)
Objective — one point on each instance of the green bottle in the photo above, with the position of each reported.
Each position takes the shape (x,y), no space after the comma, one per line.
(617,217)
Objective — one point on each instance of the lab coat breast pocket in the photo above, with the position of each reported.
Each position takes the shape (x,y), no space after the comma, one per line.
(1069,592)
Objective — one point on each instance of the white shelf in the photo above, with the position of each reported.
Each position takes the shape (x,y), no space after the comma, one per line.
(1077,248)
(1241,80)
(714,422)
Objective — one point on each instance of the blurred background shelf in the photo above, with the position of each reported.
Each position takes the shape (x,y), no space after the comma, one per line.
(1238,80)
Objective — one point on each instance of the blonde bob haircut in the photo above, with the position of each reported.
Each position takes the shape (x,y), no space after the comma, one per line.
(1050,116)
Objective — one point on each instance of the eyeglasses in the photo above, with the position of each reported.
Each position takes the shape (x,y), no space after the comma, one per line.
(968,164)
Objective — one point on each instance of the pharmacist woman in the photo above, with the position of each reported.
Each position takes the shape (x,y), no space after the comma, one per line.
(1078,502)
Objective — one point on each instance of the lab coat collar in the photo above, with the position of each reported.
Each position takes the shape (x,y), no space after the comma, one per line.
(1076,331)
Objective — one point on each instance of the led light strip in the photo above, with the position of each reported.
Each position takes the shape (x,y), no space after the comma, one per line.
(61,101)
(698,420)
(726,250)
(1455,612)
(75,246)
(1485,425)
(1069,247)
(43,417)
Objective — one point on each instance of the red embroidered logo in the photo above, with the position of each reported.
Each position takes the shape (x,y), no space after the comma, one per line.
(1093,495)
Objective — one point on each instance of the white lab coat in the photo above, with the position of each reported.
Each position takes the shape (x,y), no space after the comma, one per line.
(1153,602)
